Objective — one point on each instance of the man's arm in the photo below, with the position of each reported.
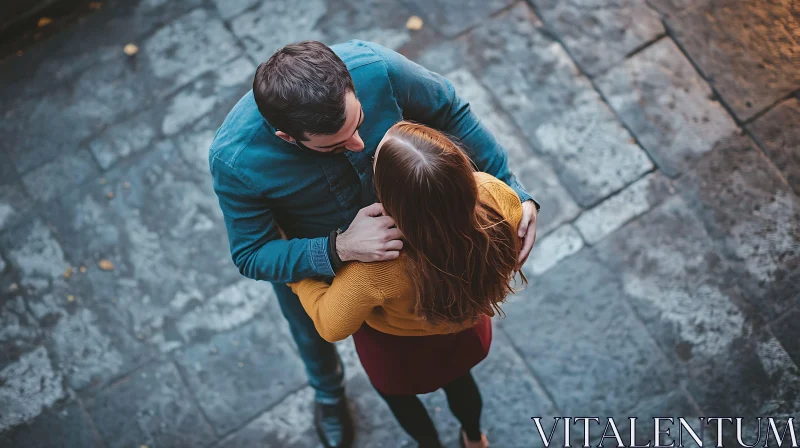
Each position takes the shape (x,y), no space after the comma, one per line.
(431,99)
(255,240)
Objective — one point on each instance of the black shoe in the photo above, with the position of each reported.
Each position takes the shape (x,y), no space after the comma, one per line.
(334,425)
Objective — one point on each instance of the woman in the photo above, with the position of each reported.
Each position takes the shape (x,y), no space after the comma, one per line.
(422,321)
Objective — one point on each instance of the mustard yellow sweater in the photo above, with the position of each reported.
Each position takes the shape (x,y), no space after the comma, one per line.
(381,293)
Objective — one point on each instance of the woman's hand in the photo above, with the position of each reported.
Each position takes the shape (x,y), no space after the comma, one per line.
(527,231)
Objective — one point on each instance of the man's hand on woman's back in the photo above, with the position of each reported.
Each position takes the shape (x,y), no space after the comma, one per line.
(372,236)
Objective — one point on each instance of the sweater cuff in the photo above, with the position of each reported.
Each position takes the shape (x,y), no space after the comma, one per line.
(318,254)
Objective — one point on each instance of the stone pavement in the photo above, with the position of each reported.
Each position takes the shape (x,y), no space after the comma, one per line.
(662,138)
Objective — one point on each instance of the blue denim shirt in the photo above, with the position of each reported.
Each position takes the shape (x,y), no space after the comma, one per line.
(262,181)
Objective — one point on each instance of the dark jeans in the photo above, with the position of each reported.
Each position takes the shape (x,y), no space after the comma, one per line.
(323,365)
(465,403)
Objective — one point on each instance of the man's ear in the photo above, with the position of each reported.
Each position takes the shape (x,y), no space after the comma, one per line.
(284,136)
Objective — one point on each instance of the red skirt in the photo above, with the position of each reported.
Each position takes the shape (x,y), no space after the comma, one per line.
(410,365)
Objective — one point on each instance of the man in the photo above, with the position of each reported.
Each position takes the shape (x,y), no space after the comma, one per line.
(293,159)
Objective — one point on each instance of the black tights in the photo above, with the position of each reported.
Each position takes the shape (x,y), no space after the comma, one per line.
(464,400)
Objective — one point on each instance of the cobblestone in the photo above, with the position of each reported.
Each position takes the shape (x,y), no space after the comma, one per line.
(667,106)
(745,48)
(555,107)
(779,133)
(599,34)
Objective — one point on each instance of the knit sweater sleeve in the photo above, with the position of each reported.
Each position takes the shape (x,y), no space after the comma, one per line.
(339,309)
(500,195)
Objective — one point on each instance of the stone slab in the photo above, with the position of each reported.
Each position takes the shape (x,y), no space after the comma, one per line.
(636,199)
(86,45)
(62,174)
(552,249)
(329,21)
(599,34)
(35,254)
(221,89)
(745,48)
(533,173)
(755,217)
(667,106)
(555,106)
(454,17)
(671,7)
(586,346)
(14,202)
(67,427)
(163,232)
(212,92)
(150,407)
(241,373)
(232,307)
(778,133)
(290,423)
(185,48)
(27,387)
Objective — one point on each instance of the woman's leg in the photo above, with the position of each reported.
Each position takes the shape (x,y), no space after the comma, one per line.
(413,417)
(465,403)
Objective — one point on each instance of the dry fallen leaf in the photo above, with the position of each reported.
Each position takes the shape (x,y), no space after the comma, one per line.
(143,446)
(68,272)
(130,49)
(70,298)
(19,53)
(83,269)
(213,349)
(105,265)
(95,5)
(44,21)
(414,23)
(110,195)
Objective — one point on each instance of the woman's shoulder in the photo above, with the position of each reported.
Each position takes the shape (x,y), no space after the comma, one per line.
(496,193)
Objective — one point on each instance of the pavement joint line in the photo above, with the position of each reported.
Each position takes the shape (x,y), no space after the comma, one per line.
(777,171)
(531,371)
(616,193)
(192,396)
(772,106)
(715,93)
(554,36)
(92,425)
(259,414)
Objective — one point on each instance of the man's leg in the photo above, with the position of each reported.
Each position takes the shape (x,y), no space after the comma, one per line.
(324,369)
(323,365)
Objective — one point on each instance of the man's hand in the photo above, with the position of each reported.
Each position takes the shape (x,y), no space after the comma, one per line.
(527,231)
(370,237)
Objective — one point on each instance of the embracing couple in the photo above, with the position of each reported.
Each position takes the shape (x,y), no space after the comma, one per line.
(347,178)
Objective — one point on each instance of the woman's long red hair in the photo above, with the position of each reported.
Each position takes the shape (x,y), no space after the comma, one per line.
(462,252)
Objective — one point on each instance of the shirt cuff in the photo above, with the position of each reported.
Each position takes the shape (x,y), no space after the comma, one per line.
(320,261)
(520,190)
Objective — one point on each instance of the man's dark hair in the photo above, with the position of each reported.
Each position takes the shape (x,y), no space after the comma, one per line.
(301,89)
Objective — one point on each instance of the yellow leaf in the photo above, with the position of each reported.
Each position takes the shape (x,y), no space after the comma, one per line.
(105,265)
(110,195)
(68,272)
(414,23)
(70,298)
(130,49)
(83,269)
(44,21)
